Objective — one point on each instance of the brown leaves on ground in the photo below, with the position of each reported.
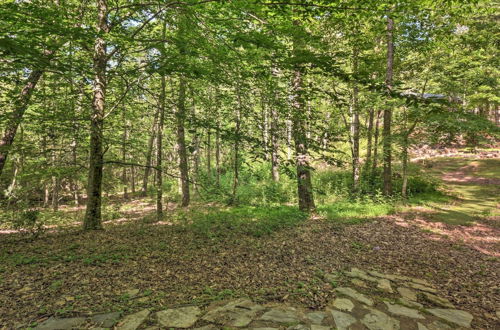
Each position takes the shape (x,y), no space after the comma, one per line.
(78,273)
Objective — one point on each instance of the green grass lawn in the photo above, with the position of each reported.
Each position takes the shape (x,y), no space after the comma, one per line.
(475,195)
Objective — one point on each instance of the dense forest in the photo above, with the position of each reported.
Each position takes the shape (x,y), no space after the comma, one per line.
(244,116)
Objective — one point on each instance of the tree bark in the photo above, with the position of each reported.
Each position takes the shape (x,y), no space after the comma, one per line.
(375,143)
(274,144)
(92,220)
(217,154)
(149,154)
(369,142)
(304,184)
(236,162)
(180,116)
(209,152)
(387,138)
(159,137)
(16,116)
(124,153)
(355,128)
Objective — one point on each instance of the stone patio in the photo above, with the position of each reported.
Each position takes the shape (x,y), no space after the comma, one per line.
(377,302)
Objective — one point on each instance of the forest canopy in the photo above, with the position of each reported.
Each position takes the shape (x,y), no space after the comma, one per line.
(238,102)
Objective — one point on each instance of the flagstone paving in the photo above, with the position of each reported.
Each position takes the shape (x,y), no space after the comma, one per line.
(386,302)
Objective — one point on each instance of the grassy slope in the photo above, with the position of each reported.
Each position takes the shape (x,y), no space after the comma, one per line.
(474,183)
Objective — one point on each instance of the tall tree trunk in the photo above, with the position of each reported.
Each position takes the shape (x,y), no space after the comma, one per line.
(180,116)
(55,185)
(236,162)
(196,143)
(387,138)
(369,142)
(15,118)
(159,150)
(404,156)
(92,220)
(209,152)
(375,143)
(264,126)
(149,153)
(217,154)
(299,133)
(159,137)
(274,144)
(124,154)
(355,128)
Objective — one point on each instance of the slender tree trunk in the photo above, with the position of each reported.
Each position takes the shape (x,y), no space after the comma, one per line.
(92,220)
(209,152)
(404,156)
(149,153)
(159,138)
(387,138)
(132,179)
(236,163)
(375,143)
(12,185)
(274,145)
(15,118)
(288,139)
(196,143)
(124,154)
(369,141)
(299,133)
(159,150)
(355,129)
(55,193)
(181,142)
(264,126)
(217,154)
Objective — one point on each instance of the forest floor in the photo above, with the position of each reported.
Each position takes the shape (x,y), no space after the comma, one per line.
(132,265)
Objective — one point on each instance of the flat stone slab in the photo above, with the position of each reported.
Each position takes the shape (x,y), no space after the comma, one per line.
(403,311)
(355,295)
(343,320)
(410,303)
(237,313)
(133,321)
(183,317)
(377,320)
(436,325)
(384,285)
(61,324)
(319,327)
(355,272)
(343,304)
(107,320)
(461,318)
(358,282)
(316,317)
(422,287)
(281,315)
(298,327)
(442,302)
(407,293)
(389,276)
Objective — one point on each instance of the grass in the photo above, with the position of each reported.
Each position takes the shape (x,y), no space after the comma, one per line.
(352,212)
(254,221)
(473,200)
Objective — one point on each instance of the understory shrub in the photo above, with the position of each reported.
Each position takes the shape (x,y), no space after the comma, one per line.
(349,212)
(254,221)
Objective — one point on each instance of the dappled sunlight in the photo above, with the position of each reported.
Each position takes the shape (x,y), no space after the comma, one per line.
(478,236)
